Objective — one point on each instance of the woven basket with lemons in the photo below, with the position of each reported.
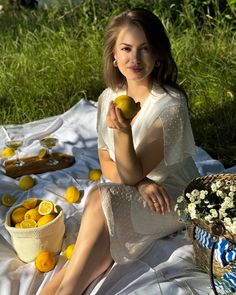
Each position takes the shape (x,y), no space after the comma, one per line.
(35,225)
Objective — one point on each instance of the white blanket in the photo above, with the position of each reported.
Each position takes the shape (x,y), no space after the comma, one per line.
(167,269)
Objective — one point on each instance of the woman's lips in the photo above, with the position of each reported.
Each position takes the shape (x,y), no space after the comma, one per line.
(136,69)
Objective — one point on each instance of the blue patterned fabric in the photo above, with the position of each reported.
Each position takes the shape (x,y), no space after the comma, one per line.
(225,253)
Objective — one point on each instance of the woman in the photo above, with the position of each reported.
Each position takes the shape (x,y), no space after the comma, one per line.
(147,160)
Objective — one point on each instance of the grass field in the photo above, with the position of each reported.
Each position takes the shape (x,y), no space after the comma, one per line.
(51,57)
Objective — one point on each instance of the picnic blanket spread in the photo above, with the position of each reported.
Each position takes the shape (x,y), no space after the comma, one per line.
(167,269)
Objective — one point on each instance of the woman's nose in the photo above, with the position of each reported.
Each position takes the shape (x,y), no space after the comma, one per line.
(136,56)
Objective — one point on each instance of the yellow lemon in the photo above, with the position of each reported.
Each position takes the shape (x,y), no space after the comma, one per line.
(32,214)
(26,182)
(69,251)
(46,207)
(127,105)
(29,223)
(8,152)
(30,203)
(45,219)
(72,194)
(17,225)
(8,200)
(45,261)
(43,153)
(95,174)
(18,215)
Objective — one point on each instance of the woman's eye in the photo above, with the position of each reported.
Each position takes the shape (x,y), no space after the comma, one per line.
(125,49)
(144,49)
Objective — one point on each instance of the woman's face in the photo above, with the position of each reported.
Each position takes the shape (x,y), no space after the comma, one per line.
(135,59)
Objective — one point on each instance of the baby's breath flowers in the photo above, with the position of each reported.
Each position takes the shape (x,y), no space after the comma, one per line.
(217,203)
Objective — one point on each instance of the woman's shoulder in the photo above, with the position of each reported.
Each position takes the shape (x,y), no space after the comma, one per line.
(168,95)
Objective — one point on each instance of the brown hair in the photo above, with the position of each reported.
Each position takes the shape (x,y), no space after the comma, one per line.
(166,73)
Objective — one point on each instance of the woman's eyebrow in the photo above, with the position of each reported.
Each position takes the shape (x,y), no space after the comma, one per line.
(126,44)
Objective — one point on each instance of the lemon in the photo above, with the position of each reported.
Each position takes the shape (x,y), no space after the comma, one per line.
(69,251)
(127,105)
(8,152)
(45,261)
(26,182)
(46,207)
(8,200)
(17,225)
(95,174)
(45,219)
(18,215)
(72,194)
(32,214)
(30,203)
(43,153)
(29,223)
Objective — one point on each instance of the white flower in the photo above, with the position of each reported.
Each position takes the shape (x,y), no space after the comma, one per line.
(232,188)
(213,187)
(192,210)
(214,213)
(231,194)
(180,199)
(195,193)
(208,218)
(227,221)
(203,194)
(219,193)
(219,184)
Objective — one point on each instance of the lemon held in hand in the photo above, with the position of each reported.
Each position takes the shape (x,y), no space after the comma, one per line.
(127,105)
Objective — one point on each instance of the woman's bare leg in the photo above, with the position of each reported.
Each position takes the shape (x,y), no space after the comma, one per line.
(91,254)
(52,286)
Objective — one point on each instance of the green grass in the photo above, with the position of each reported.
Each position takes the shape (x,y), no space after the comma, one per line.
(52,57)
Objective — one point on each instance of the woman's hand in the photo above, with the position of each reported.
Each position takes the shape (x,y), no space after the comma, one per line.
(154,195)
(115,120)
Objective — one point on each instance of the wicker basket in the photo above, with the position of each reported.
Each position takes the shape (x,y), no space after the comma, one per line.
(203,256)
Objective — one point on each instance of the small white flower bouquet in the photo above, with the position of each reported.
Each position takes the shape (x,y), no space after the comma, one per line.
(208,207)
(217,202)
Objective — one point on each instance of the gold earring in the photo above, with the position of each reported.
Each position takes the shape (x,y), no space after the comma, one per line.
(115,63)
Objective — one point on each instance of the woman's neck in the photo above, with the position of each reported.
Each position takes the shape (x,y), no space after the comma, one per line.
(139,90)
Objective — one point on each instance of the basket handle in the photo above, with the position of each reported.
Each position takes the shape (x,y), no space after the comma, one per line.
(211,267)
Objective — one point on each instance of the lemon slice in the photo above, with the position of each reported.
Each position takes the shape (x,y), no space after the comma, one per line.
(43,153)
(30,203)
(29,223)
(95,174)
(8,200)
(32,214)
(69,251)
(18,215)
(72,194)
(46,207)
(45,219)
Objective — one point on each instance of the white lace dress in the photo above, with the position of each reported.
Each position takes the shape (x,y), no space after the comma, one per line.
(133,227)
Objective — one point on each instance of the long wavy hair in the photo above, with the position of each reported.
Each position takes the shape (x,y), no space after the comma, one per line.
(165,73)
